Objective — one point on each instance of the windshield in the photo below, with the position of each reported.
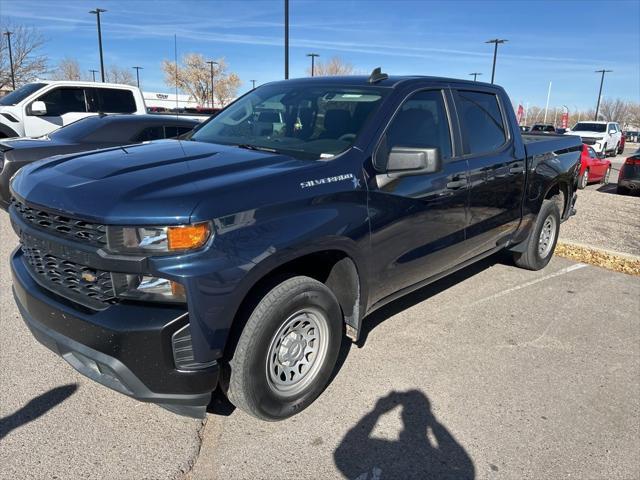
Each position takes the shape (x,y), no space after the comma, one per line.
(20,94)
(304,121)
(590,127)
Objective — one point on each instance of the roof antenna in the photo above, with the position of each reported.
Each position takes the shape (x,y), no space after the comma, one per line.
(377,75)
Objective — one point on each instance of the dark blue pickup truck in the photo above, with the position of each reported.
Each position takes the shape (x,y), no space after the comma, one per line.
(239,259)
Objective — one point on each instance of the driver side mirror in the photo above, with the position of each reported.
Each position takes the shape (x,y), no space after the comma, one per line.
(38,108)
(612,131)
(413,161)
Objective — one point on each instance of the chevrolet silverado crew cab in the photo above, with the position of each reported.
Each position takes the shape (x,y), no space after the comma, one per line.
(36,109)
(603,137)
(240,258)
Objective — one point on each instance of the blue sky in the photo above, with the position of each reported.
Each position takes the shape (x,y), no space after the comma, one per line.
(562,41)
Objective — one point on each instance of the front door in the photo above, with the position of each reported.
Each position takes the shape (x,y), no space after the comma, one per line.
(417,221)
(64,105)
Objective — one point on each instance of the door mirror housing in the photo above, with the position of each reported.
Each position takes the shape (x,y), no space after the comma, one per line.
(612,131)
(413,161)
(38,108)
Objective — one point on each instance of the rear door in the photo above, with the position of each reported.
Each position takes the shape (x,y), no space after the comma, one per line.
(496,168)
(417,221)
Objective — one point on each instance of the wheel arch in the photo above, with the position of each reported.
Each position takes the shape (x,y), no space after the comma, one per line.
(336,267)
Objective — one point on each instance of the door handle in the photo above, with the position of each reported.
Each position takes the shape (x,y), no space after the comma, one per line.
(456,184)
(516,170)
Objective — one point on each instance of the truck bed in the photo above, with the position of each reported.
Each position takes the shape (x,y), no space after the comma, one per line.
(539,144)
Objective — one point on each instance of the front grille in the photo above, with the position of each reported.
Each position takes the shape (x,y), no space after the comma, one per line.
(58,224)
(87,286)
(589,140)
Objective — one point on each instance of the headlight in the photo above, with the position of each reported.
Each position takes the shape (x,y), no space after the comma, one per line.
(158,240)
(146,288)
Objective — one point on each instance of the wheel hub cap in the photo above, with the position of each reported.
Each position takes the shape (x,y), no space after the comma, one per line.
(297,351)
(547,236)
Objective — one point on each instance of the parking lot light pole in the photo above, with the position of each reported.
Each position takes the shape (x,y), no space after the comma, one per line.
(137,69)
(253,82)
(211,64)
(13,77)
(313,57)
(286,39)
(603,71)
(495,41)
(93,72)
(97,13)
(475,75)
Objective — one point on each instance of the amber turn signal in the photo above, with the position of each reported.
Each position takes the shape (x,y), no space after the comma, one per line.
(188,237)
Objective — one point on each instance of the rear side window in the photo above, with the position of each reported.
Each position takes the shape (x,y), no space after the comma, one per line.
(482,122)
(421,122)
(150,133)
(111,100)
(64,100)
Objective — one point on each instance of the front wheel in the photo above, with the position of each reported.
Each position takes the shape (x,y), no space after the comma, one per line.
(287,350)
(542,238)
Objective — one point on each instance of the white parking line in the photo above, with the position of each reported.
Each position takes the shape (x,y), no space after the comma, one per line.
(562,271)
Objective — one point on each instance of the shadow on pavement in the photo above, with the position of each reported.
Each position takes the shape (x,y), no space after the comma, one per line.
(424,449)
(36,408)
(376,318)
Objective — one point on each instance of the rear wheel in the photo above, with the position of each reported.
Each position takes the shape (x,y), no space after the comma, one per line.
(542,238)
(287,350)
(607,174)
(622,190)
(583,181)
(614,152)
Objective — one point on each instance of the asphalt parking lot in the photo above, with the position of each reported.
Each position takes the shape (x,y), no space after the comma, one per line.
(496,372)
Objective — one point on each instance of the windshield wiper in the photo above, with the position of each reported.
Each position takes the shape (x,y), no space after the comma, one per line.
(248,146)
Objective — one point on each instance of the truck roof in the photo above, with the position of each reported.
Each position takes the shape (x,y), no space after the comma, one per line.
(80,83)
(391,81)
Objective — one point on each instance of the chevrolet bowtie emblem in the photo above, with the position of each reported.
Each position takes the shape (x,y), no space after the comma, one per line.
(89,277)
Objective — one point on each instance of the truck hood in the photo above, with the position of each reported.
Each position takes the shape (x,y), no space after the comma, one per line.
(585,133)
(153,183)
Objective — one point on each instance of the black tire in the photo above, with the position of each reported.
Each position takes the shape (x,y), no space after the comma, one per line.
(622,190)
(583,181)
(532,258)
(251,384)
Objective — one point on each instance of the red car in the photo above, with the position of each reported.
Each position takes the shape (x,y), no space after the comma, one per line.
(593,167)
(622,140)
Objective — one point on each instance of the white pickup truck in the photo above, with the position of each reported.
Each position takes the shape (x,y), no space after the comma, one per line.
(603,137)
(36,109)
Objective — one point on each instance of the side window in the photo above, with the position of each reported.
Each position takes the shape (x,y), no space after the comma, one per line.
(482,122)
(421,122)
(111,100)
(592,152)
(150,133)
(175,131)
(64,100)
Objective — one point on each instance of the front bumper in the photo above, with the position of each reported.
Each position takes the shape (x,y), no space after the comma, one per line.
(126,347)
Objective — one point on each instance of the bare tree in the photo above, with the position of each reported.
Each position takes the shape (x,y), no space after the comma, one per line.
(115,74)
(193,76)
(333,66)
(67,69)
(633,116)
(28,63)
(614,110)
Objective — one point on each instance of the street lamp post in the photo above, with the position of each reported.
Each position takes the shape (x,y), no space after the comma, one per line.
(97,13)
(286,39)
(137,69)
(495,41)
(211,64)
(93,72)
(313,57)
(603,71)
(475,75)
(13,77)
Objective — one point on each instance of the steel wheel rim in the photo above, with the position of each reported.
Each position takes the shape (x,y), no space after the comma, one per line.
(547,236)
(297,351)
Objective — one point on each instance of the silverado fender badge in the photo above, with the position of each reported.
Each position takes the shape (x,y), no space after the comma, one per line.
(337,178)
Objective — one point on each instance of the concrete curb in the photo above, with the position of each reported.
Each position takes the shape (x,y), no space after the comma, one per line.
(600,257)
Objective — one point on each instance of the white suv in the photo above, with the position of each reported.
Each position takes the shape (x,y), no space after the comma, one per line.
(603,137)
(36,109)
